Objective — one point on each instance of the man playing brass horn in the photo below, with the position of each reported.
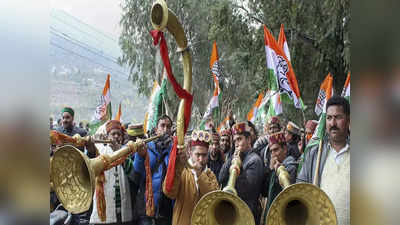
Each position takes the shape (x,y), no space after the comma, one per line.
(152,206)
(334,163)
(248,183)
(191,184)
(117,192)
(279,156)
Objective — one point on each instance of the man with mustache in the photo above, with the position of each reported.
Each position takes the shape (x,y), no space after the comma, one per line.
(334,167)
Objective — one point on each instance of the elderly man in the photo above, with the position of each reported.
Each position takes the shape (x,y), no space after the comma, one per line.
(152,206)
(249,182)
(215,155)
(118,204)
(277,147)
(334,168)
(191,184)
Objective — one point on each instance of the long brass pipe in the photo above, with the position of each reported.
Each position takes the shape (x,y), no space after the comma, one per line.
(161,18)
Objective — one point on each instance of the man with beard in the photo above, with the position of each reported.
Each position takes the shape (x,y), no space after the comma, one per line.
(67,127)
(215,155)
(334,168)
(191,184)
(67,119)
(225,143)
(152,206)
(248,183)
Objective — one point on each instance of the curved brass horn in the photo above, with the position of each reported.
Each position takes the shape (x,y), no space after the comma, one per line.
(161,18)
(300,203)
(224,207)
(72,174)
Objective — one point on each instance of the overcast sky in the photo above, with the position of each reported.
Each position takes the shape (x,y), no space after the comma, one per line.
(104,15)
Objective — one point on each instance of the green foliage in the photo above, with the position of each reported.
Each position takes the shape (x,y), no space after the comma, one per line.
(317,32)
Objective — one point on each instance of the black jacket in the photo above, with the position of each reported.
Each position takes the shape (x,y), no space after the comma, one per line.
(215,165)
(248,183)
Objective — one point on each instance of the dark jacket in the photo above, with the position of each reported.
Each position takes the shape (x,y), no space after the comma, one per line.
(248,183)
(215,165)
(307,171)
(293,148)
(72,132)
(272,186)
(163,205)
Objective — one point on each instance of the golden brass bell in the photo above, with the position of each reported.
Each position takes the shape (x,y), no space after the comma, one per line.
(73,174)
(300,204)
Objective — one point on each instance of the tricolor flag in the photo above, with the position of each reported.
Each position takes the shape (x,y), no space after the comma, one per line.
(346,88)
(325,92)
(212,107)
(252,115)
(283,43)
(223,124)
(279,65)
(103,109)
(119,113)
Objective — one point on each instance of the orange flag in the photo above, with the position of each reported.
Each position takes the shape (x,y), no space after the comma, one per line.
(118,116)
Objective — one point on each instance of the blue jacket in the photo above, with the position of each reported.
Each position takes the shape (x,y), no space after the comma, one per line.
(157,176)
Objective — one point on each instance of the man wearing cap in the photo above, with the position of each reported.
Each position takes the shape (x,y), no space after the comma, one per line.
(215,155)
(277,147)
(191,184)
(334,165)
(150,165)
(118,204)
(292,136)
(68,128)
(249,182)
(135,131)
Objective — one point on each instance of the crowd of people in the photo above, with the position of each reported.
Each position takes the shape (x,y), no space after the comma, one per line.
(135,191)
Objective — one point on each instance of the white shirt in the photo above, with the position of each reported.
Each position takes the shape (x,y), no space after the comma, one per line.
(339,155)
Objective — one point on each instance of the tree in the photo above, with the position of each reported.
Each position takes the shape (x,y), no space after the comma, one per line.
(317,32)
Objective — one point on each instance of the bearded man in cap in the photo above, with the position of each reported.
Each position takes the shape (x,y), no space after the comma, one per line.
(215,155)
(249,182)
(67,119)
(117,194)
(278,150)
(292,136)
(191,184)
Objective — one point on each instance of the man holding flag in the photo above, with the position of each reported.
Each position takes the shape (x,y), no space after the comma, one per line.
(332,173)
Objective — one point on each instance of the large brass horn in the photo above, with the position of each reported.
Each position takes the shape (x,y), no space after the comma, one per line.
(224,207)
(161,18)
(72,174)
(300,204)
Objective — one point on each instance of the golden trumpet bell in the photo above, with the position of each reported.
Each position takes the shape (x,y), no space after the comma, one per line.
(73,178)
(302,204)
(222,208)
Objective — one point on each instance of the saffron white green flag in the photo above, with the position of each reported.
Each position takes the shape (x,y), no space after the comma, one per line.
(280,66)
(103,109)
(212,107)
(154,108)
(346,88)
(325,93)
(252,115)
